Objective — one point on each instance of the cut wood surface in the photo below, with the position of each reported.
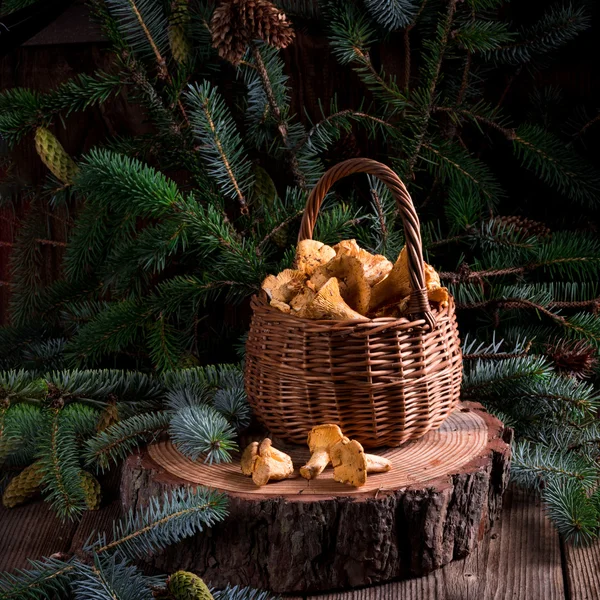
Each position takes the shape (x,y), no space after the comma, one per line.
(443,493)
(462,438)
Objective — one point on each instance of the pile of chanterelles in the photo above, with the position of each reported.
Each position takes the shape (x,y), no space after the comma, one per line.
(348,283)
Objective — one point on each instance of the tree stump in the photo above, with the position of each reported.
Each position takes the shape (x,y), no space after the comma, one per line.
(443,493)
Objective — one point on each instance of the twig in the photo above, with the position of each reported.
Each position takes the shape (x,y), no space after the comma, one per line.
(420,137)
(377,201)
(278,228)
(511,303)
(281,123)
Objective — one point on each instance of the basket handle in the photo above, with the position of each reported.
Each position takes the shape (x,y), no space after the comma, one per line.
(419,303)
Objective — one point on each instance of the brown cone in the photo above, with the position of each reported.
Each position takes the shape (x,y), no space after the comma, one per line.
(236,22)
(523,225)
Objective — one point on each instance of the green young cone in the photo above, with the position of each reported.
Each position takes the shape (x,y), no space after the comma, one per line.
(53,155)
(187,586)
(178,38)
(25,486)
(92,491)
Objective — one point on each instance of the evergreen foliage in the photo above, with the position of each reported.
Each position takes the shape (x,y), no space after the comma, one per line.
(157,262)
(70,420)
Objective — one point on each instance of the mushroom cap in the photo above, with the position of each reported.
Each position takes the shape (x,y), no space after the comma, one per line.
(349,272)
(284,286)
(311,254)
(439,295)
(262,470)
(323,436)
(282,306)
(264,448)
(267,450)
(302,299)
(248,458)
(349,462)
(375,266)
(432,277)
(329,304)
(349,247)
(271,464)
(395,285)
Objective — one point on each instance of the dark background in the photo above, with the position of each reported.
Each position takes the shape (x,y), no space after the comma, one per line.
(44,48)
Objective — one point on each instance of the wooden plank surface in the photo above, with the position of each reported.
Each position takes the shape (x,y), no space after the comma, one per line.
(519,559)
(31,531)
(583,571)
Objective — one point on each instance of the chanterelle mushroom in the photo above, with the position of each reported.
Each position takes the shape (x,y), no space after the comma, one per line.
(271,464)
(351,464)
(320,439)
(249,456)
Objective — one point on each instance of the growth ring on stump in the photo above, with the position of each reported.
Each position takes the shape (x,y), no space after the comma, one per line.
(442,494)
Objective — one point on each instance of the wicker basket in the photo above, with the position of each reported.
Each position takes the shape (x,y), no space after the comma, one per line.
(383,381)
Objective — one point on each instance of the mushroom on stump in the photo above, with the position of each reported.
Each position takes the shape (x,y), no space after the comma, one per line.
(351,464)
(249,457)
(266,463)
(320,439)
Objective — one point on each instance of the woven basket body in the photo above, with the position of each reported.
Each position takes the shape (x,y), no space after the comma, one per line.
(383,381)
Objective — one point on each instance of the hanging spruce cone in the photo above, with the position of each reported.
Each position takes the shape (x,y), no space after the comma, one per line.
(53,155)
(523,225)
(91,490)
(24,486)
(178,34)
(235,23)
(109,417)
(187,586)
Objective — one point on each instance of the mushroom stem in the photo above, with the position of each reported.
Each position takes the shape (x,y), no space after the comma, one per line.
(316,464)
(320,439)
(377,464)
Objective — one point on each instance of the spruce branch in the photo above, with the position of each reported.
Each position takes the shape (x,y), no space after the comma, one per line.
(183,513)
(223,149)
(117,441)
(46,578)
(558,25)
(201,430)
(282,125)
(58,456)
(111,578)
(548,157)
(144,25)
(437,50)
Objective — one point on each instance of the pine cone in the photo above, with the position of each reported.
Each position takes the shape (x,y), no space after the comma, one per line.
(237,22)
(53,155)
(178,37)
(575,359)
(24,486)
(187,586)
(265,21)
(109,416)
(524,225)
(91,490)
